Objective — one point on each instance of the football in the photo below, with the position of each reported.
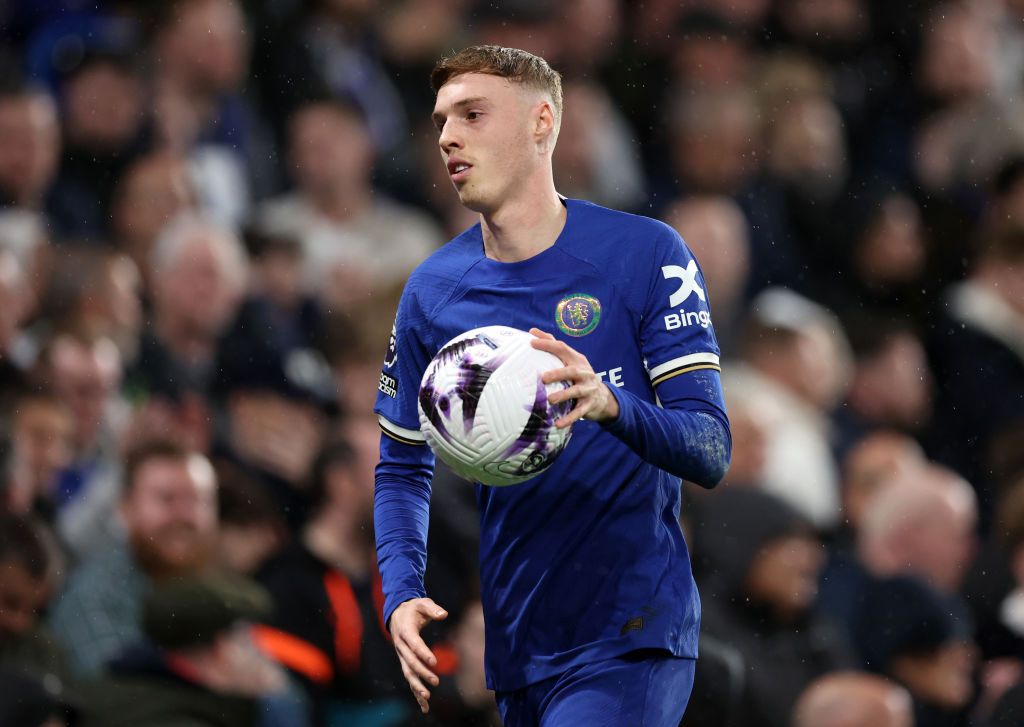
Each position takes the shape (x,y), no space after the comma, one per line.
(484,409)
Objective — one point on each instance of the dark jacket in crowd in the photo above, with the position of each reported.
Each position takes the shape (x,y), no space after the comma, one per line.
(781,658)
(143,688)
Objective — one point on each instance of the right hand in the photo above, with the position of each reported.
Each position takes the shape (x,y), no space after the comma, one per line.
(418,662)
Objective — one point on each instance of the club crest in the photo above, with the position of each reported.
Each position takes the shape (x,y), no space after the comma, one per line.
(578,314)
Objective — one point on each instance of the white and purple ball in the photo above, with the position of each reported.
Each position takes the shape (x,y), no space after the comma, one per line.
(484,409)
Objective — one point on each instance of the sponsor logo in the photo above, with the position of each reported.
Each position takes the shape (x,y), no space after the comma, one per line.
(683,319)
(392,355)
(577,315)
(688,284)
(388,385)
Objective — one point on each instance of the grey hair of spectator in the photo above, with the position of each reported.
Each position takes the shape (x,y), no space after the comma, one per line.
(852,699)
(186,227)
(921,523)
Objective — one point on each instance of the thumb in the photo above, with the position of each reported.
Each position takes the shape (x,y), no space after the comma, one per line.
(431,609)
(541,334)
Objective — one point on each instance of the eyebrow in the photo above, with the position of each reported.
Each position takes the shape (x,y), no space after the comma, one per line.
(437,117)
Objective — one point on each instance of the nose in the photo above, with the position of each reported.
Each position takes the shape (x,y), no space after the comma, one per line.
(448,139)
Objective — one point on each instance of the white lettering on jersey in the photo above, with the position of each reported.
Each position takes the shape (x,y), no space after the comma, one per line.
(614,376)
(684,318)
(688,282)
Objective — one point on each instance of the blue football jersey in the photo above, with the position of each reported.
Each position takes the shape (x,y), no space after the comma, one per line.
(586,561)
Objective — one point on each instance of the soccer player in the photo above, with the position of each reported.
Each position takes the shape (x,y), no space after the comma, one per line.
(591,610)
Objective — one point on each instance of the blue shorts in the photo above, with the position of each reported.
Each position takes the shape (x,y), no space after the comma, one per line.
(647,688)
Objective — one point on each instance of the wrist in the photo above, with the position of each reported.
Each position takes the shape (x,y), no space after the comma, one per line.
(611,407)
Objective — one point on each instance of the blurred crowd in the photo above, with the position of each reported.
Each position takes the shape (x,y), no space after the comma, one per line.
(207,212)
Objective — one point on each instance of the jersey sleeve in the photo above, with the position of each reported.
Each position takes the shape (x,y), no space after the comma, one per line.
(687,432)
(401,502)
(404,363)
(676,332)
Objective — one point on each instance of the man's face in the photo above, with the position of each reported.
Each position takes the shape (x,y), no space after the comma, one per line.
(21,597)
(198,290)
(171,514)
(29,145)
(484,124)
(330,150)
(44,439)
(784,574)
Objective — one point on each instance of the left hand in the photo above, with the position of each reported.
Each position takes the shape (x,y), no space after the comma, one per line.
(594,401)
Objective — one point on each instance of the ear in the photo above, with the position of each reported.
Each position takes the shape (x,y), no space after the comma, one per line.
(544,126)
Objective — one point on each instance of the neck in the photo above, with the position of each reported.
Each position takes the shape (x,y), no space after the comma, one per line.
(523,227)
(336,541)
(186,342)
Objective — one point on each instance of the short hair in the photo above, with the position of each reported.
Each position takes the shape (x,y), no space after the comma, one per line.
(22,542)
(516,65)
(147,451)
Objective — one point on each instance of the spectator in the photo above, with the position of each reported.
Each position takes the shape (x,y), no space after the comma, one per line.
(874,462)
(852,699)
(251,527)
(29,146)
(597,157)
(28,576)
(891,386)
(335,47)
(921,523)
(715,54)
(199,276)
(327,598)
(355,241)
(715,147)
(201,61)
(759,562)
(96,292)
(200,665)
(985,355)
(85,372)
(795,371)
(922,640)
(924,526)
(104,121)
(278,394)
(153,190)
(42,446)
(170,519)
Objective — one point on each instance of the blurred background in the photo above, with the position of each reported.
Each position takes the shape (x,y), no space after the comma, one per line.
(207,212)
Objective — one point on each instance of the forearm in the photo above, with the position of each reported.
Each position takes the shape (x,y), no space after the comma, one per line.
(401,510)
(691,440)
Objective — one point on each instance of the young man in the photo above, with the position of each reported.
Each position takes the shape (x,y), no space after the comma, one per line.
(591,611)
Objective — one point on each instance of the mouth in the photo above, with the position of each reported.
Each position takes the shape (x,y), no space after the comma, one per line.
(458,170)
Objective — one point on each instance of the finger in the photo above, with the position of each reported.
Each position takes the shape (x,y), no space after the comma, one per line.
(566,373)
(576,414)
(579,391)
(418,690)
(541,334)
(417,646)
(431,610)
(417,649)
(416,664)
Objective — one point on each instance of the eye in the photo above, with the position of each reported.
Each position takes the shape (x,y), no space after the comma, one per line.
(473,115)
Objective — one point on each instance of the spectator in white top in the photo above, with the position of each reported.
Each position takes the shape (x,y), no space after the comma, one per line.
(355,241)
